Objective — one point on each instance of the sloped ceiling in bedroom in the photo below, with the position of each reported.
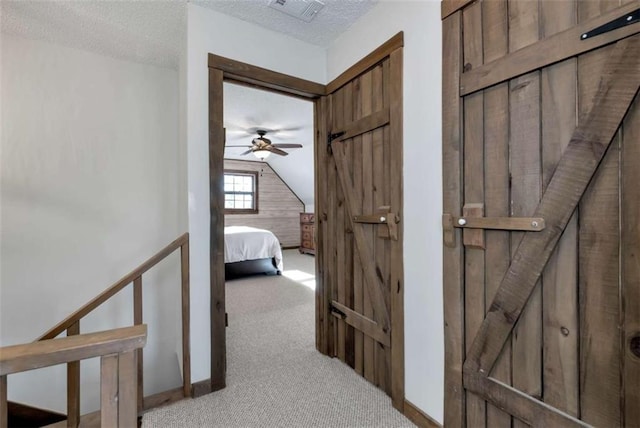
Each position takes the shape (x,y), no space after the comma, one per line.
(246,109)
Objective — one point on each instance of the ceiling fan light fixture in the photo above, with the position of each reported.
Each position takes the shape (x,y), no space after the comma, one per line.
(261,154)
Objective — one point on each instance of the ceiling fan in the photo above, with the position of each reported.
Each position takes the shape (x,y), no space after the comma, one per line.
(262,147)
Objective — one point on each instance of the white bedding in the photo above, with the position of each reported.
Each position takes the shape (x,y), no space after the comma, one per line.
(248,243)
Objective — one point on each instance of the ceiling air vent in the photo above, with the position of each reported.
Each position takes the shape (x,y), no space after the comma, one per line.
(304,10)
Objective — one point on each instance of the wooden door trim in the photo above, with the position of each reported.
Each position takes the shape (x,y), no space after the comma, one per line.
(262,78)
(449,7)
(216,220)
(453,286)
(556,48)
(236,71)
(223,70)
(367,62)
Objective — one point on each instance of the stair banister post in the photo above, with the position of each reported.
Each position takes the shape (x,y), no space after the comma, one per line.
(4,407)
(137,319)
(73,384)
(186,353)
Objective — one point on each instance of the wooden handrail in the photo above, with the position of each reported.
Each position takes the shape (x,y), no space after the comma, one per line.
(118,383)
(71,325)
(30,356)
(109,292)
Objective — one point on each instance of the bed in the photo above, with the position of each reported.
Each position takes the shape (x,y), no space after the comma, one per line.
(251,251)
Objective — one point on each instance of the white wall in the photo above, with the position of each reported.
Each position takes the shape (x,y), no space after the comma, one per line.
(89,190)
(424,330)
(212,32)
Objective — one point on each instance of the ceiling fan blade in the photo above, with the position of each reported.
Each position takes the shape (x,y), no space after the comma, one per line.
(272,131)
(287,146)
(246,153)
(244,145)
(291,129)
(277,151)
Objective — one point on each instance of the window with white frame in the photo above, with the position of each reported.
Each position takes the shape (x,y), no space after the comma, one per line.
(240,192)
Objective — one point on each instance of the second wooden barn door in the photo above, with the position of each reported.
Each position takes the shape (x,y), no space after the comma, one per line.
(358,211)
(541,134)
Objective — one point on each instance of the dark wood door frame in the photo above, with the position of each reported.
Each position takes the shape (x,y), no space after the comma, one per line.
(227,70)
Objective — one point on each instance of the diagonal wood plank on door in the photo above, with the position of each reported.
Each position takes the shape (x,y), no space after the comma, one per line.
(373,283)
(588,145)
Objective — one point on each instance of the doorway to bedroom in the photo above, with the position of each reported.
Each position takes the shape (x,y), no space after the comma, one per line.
(268,164)
(269,273)
(359,289)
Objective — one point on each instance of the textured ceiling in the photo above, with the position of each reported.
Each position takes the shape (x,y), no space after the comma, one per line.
(246,109)
(152,32)
(329,23)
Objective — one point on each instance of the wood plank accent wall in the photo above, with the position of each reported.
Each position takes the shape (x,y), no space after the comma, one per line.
(279,208)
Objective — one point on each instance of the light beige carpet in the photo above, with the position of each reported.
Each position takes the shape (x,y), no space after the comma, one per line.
(275,377)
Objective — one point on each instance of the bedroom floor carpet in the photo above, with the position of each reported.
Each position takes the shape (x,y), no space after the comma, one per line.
(275,377)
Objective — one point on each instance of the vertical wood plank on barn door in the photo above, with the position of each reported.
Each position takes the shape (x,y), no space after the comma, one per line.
(630,246)
(331,204)
(598,242)
(324,319)
(496,180)
(396,193)
(453,294)
(366,203)
(525,169)
(338,232)
(380,196)
(358,286)
(474,272)
(347,233)
(560,296)
(373,355)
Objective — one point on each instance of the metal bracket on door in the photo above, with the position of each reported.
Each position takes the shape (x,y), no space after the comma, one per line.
(337,311)
(383,216)
(332,137)
(474,221)
(627,19)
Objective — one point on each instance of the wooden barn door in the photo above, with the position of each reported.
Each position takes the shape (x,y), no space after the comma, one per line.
(541,149)
(358,211)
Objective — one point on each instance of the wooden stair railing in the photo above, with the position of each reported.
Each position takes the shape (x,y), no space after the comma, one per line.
(118,382)
(72,326)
